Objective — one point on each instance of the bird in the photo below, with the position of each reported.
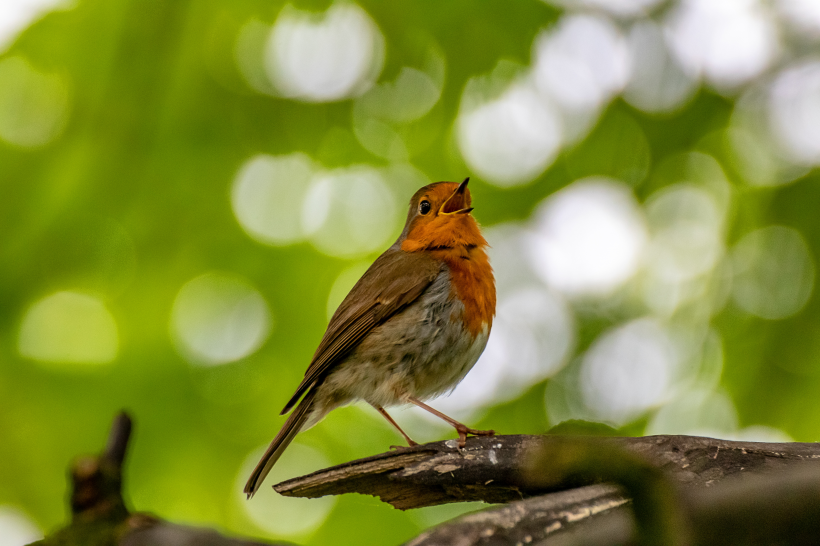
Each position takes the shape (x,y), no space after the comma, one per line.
(410,329)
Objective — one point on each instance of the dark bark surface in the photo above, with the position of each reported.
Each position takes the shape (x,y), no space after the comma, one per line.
(557,490)
(533,520)
(767,509)
(490,469)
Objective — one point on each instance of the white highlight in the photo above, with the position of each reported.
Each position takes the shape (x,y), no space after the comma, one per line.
(268,194)
(319,59)
(803,15)
(69,327)
(349,212)
(728,41)
(582,63)
(760,155)
(509,140)
(794,112)
(622,8)
(588,238)
(218,318)
(627,371)
(16,528)
(17,15)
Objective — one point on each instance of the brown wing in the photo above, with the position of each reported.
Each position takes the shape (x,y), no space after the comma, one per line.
(394,280)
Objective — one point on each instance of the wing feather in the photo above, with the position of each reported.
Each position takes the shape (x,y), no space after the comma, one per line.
(396,279)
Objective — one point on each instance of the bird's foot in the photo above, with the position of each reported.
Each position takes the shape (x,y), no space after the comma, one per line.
(464,430)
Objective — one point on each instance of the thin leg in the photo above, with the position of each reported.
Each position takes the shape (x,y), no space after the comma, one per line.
(462,429)
(410,441)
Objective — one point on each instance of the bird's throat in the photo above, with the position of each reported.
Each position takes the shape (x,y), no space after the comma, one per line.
(445,233)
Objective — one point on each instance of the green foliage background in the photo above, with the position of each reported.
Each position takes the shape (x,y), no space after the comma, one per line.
(132,201)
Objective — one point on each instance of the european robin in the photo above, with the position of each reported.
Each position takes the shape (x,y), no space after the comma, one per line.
(410,329)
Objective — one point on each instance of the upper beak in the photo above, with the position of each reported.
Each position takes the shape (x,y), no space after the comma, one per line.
(456,200)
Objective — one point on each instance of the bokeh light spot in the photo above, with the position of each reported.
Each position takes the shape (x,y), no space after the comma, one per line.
(268,194)
(588,238)
(623,8)
(336,55)
(218,318)
(16,528)
(774,272)
(729,42)
(794,112)
(761,433)
(409,97)
(69,327)
(379,114)
(16,15)
(289,517)
(349,212)
(698,412)
(657,82)
(686,224)
(628,370)
(509,140)
(33,105)
(802,15)
(582,63)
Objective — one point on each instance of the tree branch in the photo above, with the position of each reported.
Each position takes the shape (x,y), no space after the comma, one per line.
(657,490)
(770,509)
(489,468)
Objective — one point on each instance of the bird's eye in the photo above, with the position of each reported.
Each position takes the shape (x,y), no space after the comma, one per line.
(424,207)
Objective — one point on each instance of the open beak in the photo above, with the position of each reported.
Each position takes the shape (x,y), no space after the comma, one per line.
(455,204)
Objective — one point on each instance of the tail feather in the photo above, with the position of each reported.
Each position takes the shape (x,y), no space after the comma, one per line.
(289,430)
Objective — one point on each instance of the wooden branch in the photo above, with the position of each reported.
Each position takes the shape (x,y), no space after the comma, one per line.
(770,509)
(534,520)
(489,468)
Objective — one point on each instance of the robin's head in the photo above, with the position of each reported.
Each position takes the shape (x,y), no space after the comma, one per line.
(439,217)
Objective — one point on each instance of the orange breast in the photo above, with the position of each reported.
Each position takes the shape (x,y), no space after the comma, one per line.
(473,283)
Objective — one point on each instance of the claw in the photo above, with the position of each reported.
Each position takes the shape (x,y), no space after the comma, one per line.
(462,439)
(463,431)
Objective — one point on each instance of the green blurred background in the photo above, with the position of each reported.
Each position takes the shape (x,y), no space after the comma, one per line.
(187,189)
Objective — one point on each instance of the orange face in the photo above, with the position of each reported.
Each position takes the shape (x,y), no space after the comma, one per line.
(439,218)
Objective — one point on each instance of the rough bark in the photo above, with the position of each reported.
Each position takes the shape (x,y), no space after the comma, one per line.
(489,469)
(533,520)
(657,490)
(769,509)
